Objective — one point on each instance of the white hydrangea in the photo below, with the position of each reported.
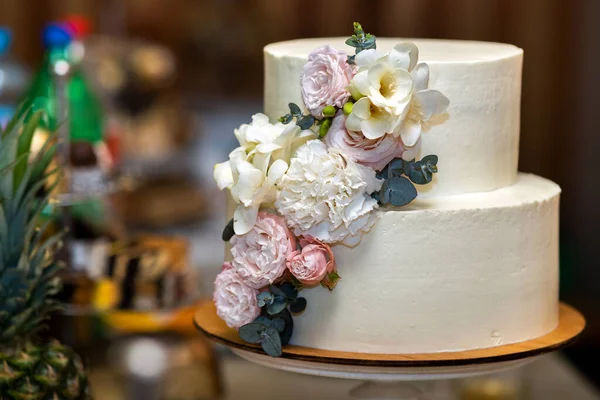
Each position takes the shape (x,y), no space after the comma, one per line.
(326,195)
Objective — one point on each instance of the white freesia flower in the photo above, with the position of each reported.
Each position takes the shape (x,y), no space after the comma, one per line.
(256,167)
(393,95)
(325,194)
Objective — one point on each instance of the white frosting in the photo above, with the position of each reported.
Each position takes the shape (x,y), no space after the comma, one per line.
(478,144)
(450,273)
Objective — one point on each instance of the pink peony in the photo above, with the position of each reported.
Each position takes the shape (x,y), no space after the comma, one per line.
(311,264)
(259,256)
(373,153)
(324,80)
(236,303)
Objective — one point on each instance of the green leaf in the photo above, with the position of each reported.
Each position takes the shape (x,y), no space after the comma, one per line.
(331,280)
(287,333)
(286,119)
(271,342)
(290,290)
(263,319)
(298,305)
(279,324)
(277,291)
(24,145)
(397,191)
(395,168)
(265,298)
(306,122)
(352,42)
(295,110)
(421,172)
(228,232)
(278,305)
(252,332)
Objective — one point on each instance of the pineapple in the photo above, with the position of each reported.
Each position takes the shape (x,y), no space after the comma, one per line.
(30,369)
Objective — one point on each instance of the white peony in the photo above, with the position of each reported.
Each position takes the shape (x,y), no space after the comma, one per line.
(236,303)
(255,168)
(393,95)
(325,194)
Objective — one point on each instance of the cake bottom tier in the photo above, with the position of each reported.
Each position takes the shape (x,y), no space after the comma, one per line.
(445,274)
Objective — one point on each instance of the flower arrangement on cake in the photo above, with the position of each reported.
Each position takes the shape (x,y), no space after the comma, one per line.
(312,180)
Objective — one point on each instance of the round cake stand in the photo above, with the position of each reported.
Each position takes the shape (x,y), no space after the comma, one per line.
(388,376)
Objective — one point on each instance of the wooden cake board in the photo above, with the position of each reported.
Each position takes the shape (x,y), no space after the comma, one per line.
(395,367)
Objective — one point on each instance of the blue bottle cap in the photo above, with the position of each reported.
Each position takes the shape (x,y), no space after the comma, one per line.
(56,35)
(5,39)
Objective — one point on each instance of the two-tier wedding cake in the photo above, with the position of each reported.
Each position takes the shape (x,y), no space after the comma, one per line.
(377,205)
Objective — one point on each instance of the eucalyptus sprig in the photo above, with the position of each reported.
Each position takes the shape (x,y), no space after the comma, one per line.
(360,41)
(399,190)
(274,327)
(303,121)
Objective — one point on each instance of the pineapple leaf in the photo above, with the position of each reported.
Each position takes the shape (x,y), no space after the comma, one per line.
(24,145)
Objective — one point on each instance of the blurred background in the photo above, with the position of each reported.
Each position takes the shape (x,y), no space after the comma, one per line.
(155,89)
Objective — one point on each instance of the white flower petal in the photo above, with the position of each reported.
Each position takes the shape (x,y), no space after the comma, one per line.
(244,219)
(432,102)
(410,132)
(375,74)
(223,175)
(353,123)
(420,76)
(404,56)
(366,58)
(374,128)
(276,172)
(267,147)
(362,108)
(361,82)
(250,180)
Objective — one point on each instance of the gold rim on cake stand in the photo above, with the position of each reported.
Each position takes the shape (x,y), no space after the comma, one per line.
(356,365)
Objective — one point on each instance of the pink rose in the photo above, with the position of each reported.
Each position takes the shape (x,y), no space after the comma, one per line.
(259,256)
(236,303)
(324,80)
(311,264)
(373,153)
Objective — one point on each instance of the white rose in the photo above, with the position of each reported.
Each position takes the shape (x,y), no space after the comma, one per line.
(255,168)
(326,195)
(236,303)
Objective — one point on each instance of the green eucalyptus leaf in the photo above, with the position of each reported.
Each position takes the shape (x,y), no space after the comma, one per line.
(298,305)
(277,291)
(351,60)
(286,335)
(263,319)
(395,168)
(265,298)
(279,324)
(278,305)
(352,42)
(253,332)
(306,122)
(431,159)
(271,342)
(228,232)
(295,110)
(289,289)
(286,119)
(397,191)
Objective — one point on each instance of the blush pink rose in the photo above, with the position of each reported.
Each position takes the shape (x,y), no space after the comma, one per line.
(324,80)
(311,264)
(236,303)
(259,256)
(373,153)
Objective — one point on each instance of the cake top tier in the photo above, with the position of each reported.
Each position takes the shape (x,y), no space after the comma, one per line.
(430,50)
(478,137)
